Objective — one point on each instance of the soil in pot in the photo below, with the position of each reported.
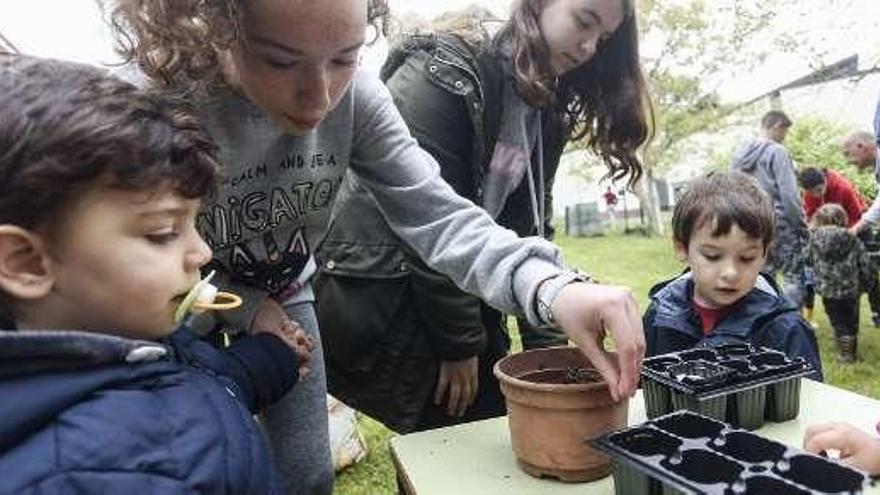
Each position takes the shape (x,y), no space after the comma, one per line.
(556,401)
(562,376)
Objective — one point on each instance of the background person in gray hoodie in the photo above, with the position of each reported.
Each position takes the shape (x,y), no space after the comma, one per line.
(768,161)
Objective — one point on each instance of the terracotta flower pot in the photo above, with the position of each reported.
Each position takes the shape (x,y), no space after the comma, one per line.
(556,401)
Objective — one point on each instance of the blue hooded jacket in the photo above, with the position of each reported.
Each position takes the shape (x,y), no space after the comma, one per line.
(763,317)
(94,413)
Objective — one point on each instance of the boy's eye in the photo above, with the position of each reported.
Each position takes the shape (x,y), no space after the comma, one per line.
(583,23)
(748,259)
(346,62)
(712,257)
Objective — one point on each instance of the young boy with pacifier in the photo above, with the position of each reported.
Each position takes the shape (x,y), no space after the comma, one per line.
(101,390)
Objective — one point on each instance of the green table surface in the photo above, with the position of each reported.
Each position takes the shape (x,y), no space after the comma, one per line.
(476,458)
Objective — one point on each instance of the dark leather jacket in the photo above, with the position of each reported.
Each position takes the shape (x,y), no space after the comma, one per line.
(461,134)
(400,319)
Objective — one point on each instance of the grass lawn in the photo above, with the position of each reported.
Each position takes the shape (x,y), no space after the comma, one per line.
(639,263)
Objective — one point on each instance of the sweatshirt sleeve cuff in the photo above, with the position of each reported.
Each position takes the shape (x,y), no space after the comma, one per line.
(526,280)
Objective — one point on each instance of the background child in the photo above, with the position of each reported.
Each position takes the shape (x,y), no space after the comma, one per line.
(841,271)
(99,188)
(722,226)
(823,186)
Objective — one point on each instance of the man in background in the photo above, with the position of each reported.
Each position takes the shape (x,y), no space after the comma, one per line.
(769,162)
(860,150)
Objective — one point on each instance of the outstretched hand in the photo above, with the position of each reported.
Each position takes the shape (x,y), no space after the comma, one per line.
(856,447)
(585,311)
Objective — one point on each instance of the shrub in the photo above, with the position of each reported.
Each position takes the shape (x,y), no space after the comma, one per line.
(814,141)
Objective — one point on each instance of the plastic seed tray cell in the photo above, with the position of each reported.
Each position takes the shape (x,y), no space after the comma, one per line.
(737,383)
(685,452)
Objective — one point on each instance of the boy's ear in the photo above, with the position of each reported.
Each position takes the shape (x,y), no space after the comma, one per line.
(25,265)
(681,251)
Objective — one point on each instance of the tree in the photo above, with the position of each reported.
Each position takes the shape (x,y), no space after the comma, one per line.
(690,48)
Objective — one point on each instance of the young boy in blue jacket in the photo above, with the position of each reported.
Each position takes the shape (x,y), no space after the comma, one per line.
(722,226)
(99,391)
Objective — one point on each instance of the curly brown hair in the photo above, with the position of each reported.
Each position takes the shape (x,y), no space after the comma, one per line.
(175,42)
(67,127)
(606,99)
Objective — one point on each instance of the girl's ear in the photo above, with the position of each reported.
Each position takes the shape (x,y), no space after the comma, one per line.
(25,265)
(681,252)
(228,69)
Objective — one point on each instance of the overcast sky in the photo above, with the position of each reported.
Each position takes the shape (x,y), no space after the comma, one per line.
(73,29)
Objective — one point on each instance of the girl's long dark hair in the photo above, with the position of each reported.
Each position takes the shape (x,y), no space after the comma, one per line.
(606,99)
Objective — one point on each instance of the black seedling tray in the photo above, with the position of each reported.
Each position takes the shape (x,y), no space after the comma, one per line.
(738,383)
(685,452)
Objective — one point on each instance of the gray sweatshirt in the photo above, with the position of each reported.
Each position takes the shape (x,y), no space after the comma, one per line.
(275,202)
(770,163)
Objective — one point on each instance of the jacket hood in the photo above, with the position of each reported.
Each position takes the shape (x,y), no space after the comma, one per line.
(832,243)
(47,371)
(467,23)
(674,309)
(746,158)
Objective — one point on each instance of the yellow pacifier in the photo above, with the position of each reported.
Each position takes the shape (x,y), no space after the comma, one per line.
(204,297)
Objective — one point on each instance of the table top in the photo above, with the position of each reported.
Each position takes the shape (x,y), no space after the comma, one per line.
(476,458)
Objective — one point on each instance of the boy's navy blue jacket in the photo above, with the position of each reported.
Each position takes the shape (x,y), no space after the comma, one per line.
(92,413)
(763,317)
